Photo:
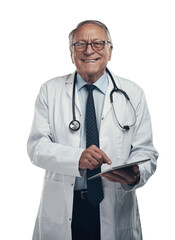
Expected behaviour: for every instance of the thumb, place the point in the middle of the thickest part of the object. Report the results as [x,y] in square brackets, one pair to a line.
[135,169]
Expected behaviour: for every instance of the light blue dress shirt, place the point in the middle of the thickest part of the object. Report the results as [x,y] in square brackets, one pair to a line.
[99,97]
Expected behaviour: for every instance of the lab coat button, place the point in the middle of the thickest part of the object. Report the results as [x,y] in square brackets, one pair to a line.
[70,219]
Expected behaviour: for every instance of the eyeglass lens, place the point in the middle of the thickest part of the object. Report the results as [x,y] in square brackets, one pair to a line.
[95,46]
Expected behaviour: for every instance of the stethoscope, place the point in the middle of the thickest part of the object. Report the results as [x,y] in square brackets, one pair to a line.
[74,125]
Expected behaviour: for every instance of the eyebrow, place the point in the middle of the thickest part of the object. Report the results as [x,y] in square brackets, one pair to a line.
[83,40]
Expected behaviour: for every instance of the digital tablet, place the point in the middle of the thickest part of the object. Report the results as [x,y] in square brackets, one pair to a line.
[119,167]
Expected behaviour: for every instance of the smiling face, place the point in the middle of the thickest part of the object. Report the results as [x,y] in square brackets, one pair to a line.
[91,64]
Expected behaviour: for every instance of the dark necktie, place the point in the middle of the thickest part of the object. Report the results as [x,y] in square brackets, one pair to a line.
[95,191]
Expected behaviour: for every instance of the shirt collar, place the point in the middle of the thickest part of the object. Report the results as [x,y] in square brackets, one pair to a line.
[101,83]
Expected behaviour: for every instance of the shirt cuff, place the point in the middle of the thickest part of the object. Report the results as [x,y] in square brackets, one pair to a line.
[128,187]
[82,172]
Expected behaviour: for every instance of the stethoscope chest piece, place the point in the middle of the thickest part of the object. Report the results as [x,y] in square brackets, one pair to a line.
[74,125]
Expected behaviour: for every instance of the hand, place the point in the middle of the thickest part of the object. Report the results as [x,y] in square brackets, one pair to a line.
[92,158]
[128,175]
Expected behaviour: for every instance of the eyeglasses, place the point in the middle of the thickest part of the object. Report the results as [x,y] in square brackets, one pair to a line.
[96,45]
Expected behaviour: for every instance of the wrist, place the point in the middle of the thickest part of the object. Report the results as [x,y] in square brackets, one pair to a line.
[137,180]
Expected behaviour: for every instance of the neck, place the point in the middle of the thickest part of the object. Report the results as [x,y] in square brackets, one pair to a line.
[91,78]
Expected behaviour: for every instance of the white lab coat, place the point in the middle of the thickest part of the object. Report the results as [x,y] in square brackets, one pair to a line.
[52,146]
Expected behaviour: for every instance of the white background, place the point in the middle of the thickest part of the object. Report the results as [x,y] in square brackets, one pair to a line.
[34,48]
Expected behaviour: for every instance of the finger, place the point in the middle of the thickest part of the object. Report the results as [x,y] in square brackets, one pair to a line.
[128,172]
[122,173]
[87,165]
[96,156]
[90,154]
[102,154]
[91,166]
[87,161]
[114,177]
[92,162]
[109,178]
[127,175]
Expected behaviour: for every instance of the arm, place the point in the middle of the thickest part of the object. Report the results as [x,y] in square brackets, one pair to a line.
[42,150]
[142,149]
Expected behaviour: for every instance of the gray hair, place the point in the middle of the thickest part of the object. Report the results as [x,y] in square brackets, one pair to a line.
[98,23]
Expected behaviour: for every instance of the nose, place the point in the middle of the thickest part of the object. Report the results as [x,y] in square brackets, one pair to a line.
[89,49]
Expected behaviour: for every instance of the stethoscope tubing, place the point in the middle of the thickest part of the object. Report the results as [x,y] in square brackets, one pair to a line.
[73,97]
[119,90]
[75,124]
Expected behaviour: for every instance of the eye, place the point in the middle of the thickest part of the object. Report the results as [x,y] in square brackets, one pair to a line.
[80,44]
[98,44]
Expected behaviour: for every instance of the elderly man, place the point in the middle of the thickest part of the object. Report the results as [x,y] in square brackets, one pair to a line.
[79,130]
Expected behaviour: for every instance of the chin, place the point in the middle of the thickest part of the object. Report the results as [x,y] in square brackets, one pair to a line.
[92,70]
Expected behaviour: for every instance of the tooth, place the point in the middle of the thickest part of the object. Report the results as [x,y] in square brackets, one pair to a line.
[88,61]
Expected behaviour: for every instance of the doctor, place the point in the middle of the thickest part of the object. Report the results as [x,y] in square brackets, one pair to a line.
[71,206]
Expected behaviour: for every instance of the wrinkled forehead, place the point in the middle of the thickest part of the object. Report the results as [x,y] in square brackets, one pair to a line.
[89,32]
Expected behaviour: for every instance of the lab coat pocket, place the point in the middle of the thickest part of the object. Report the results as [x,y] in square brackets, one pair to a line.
[52,206]
[127,142]
[127,209]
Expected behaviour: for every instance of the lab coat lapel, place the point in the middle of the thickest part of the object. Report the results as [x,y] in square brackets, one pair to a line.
[69,90]
[107,103]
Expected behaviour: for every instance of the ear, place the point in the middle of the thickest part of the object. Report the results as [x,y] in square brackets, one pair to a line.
[72,55]
[110,52]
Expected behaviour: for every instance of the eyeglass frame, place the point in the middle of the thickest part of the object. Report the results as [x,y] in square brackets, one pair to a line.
[91,44]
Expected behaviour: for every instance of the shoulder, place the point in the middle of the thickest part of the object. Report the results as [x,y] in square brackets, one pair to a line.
[55,86]
[57,81]
[134,91]
[128,84]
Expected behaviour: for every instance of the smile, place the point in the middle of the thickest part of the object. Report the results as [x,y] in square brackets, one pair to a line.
[90,60]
